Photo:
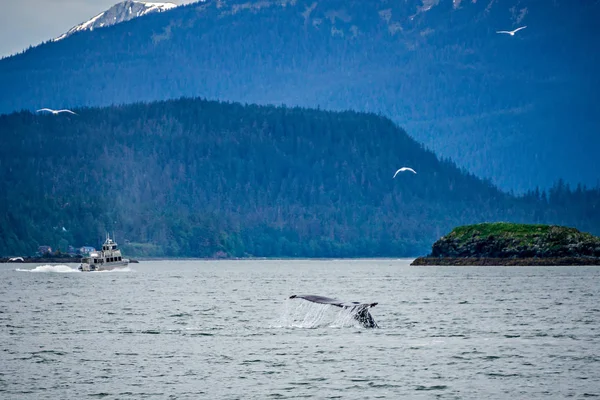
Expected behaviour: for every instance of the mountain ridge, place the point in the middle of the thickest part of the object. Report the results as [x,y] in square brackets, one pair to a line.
[193,177]
[120,12]
[199,178]
[497,105]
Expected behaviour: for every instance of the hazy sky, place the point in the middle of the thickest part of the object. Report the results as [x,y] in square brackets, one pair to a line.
[30,22]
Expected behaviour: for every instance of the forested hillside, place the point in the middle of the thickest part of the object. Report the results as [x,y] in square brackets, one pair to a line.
[507,108]
[200,178]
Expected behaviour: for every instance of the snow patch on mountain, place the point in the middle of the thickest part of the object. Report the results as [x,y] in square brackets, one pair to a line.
[120,12]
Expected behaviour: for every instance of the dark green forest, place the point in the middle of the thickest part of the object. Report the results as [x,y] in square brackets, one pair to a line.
[505,108]
[197,178]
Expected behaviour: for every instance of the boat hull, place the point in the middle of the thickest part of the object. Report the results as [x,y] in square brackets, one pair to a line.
[84,267]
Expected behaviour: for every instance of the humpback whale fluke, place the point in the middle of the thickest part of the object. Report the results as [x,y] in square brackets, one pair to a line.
[360,311]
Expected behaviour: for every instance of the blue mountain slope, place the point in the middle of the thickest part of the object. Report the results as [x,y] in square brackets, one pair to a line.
[520,110]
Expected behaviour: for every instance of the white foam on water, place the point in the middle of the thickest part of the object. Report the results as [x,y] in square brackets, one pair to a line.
[63,269]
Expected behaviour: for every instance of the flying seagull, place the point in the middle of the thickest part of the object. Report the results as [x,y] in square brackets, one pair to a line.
[56,112]
[512,33]
[405,169]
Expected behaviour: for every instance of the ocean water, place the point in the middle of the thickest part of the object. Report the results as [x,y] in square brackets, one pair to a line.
[227,330]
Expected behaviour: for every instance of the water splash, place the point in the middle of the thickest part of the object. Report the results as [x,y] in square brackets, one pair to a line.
[344,318]
[303,314]
[63,269]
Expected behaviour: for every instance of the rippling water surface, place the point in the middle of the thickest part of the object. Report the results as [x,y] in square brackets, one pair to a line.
[226,330]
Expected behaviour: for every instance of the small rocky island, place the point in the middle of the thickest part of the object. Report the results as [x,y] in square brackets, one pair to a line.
[514,244]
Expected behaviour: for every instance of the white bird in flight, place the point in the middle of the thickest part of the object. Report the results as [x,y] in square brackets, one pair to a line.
[512,33]
[405,169]
[56,112]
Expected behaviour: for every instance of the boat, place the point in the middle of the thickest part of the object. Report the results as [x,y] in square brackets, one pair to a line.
[106,259]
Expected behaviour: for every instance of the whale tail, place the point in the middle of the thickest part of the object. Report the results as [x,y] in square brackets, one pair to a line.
[364,317]
[360,311]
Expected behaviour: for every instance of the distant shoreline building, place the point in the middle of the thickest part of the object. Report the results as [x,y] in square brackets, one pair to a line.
[44,250]
[86,249]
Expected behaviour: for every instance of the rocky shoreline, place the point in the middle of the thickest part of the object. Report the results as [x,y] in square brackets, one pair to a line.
[495,261]
[503,243]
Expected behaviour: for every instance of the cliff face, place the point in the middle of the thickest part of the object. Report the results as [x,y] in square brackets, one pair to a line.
[505,240]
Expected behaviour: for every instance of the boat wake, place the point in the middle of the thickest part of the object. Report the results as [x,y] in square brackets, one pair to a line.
[65,269]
